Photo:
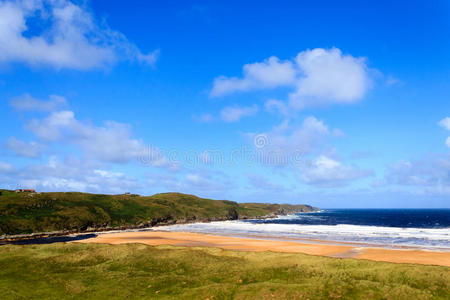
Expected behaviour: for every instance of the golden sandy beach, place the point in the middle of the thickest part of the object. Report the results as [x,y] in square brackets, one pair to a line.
[251,244]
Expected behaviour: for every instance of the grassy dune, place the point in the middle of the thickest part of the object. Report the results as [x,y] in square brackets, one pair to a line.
[22,213]
[93,271]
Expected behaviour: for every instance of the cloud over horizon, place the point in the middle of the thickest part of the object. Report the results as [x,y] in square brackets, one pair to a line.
[429,175]
[70,154]
[329,172]
[70,174]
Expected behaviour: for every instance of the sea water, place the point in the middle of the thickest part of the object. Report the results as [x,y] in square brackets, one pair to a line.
[396,228]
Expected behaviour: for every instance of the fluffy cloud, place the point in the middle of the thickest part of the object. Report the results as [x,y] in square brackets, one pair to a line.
[73,39]
[430,175]
[270,73]
[328,172]
[111,142]
[318,77]
[445,123]
[235,113]
[92,153]
[21,148]
[307,151]
[286,144]
[274,106]
[28,103]
[430,172]
[329,76]
[68,175]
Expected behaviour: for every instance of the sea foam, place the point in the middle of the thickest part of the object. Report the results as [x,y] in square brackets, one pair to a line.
[432,238]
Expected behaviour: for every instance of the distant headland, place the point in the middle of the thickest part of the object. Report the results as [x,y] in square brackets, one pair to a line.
[26,213]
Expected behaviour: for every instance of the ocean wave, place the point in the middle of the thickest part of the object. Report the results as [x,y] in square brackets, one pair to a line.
[386,236]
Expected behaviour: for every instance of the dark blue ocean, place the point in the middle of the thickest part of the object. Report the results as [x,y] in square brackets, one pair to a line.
[396,228]
[402,218]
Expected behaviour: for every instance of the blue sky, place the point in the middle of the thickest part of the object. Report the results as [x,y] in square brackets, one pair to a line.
[336,104]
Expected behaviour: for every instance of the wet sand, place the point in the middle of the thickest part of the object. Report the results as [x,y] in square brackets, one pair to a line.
[250,244]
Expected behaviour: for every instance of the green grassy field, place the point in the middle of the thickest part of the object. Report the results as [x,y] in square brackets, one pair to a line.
[22,213]
[93,271]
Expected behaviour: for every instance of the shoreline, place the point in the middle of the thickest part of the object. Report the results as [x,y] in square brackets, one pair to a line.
[322,248]
[8,238]
[356,244]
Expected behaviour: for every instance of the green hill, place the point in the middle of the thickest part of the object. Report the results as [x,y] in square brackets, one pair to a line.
[24,213]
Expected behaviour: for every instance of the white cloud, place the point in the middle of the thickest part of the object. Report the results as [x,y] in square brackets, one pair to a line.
[425,172]
[68,175]
[303,147]
[328,172]
[277,106]
[270,73]
[317,77]
[235,113]
[28,103]
[328,76]
[429,175]
[445,123]
[52,128]
[287,144]
[111,142]
[21,148]
[73,39]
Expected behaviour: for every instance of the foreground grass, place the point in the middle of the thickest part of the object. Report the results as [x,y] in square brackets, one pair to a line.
[93,271]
